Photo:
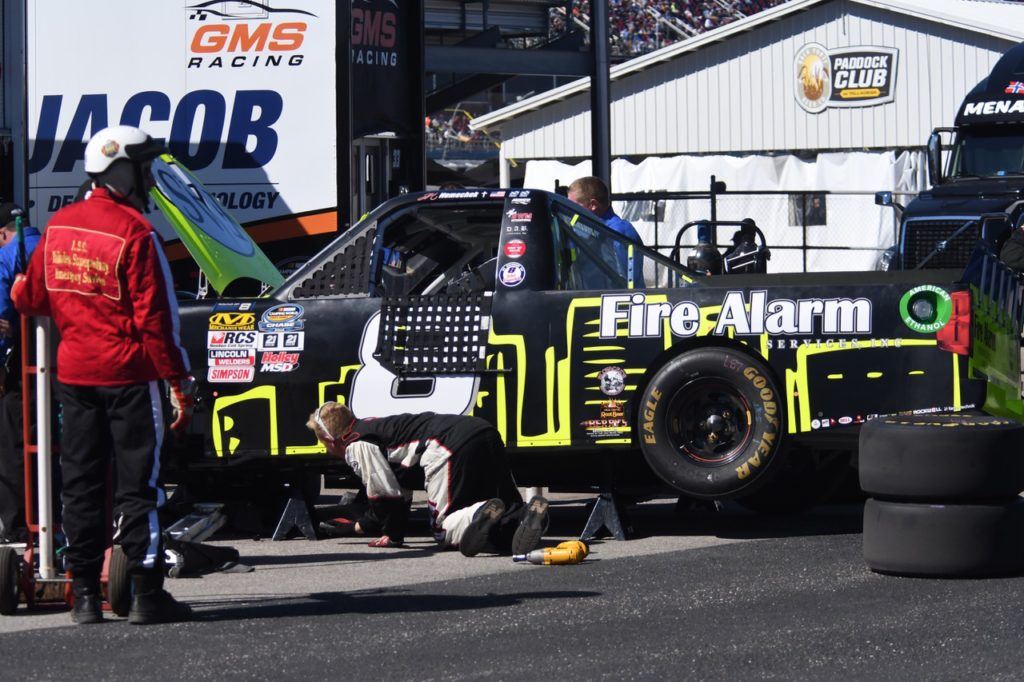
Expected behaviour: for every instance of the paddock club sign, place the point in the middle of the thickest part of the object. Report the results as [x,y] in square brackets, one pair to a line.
[843,77]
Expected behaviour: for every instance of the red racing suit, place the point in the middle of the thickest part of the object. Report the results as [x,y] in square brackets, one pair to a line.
[100,271]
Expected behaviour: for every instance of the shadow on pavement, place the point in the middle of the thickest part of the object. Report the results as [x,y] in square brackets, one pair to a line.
[665,518]
[340,557]
[378,602]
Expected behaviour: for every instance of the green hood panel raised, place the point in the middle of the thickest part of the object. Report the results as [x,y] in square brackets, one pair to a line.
[223,250]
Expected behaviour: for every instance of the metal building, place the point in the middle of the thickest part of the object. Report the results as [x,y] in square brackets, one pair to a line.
[812,95]
[734,89]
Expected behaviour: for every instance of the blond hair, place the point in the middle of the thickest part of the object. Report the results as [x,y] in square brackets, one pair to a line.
[330,421]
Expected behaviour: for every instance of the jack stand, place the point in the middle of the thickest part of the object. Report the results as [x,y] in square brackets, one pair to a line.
[608,512]
[295,515]
[606,515]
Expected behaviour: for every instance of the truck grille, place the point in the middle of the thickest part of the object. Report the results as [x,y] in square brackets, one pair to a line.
[922,236]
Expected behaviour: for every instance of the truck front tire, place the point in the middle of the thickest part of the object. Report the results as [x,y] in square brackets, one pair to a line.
[710,423]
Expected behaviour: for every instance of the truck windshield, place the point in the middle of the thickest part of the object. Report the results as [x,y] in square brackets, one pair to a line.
[991,152]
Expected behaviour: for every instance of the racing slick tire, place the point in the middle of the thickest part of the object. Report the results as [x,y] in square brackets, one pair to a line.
[119,588]
[954,457]
[710,423]
[10,580]
[937,540]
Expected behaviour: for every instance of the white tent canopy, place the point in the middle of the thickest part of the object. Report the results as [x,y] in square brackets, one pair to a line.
[854,221]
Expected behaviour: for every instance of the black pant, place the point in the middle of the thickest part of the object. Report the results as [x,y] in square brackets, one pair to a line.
[12,468]
[480,471]
[125,422]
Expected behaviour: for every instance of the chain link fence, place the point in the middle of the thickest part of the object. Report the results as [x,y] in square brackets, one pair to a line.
[805,231]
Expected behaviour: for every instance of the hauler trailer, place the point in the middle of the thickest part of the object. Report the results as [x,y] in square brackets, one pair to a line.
[589,353]
[984,175]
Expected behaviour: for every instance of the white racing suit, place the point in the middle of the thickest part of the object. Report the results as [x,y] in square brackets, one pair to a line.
[463,462]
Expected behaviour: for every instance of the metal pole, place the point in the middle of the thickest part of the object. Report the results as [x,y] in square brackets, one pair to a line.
[44,480]
[600,105]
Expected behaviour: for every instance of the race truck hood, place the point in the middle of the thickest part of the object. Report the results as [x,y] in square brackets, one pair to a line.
[223,250]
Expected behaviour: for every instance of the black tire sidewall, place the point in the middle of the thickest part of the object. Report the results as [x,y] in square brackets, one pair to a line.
[119,594]
[9,580]
[754,464]
[936,540]
[961,457]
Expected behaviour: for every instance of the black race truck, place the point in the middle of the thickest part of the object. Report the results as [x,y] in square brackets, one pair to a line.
[598,360]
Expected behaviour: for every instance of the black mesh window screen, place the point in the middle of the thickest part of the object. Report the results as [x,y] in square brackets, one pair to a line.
[434,334]
[347,272]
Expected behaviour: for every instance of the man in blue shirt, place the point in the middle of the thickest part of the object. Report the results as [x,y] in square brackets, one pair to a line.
[12,495]
[592,193]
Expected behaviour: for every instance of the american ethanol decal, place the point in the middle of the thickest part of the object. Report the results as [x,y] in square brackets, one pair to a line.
[739,315]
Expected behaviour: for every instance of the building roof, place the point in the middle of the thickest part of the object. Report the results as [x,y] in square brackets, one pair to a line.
[994,18]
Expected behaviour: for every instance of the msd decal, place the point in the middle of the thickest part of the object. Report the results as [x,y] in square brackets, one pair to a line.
[739,315]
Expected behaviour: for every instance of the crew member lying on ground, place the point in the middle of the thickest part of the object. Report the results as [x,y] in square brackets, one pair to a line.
[473,500]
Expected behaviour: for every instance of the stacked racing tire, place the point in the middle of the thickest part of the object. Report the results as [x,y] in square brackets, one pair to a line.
[944,495]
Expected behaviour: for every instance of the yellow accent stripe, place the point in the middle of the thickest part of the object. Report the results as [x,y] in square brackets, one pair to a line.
[797,383]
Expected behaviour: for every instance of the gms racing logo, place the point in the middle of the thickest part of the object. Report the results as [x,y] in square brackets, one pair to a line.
[246,33]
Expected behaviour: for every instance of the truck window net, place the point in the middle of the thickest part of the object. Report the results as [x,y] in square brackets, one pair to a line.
[434,334]
[347,272]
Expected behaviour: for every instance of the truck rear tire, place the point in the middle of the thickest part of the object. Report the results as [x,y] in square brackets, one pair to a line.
[954,457]
[936,540]
[710,423]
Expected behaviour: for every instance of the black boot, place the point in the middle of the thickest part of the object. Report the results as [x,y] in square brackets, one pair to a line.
[88,599]
[476,537]
[152,604]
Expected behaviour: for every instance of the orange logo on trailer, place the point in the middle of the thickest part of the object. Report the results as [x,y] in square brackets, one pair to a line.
[243,37]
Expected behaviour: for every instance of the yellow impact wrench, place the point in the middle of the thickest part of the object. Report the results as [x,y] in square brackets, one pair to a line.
[571,552]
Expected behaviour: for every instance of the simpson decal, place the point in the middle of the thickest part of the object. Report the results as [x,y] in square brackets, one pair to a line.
[739,315]
[231,375]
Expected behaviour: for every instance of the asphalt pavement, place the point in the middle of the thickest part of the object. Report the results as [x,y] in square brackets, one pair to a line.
[703,595]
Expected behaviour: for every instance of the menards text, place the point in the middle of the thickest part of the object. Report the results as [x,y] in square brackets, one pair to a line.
[739,315]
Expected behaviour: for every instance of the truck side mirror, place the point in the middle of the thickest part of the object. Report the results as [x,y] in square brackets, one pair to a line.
[935,158]
[883,198]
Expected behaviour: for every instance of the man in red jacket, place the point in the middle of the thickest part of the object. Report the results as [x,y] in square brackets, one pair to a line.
[101,273]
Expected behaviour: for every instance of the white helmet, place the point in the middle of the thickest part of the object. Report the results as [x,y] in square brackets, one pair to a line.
[119,142]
